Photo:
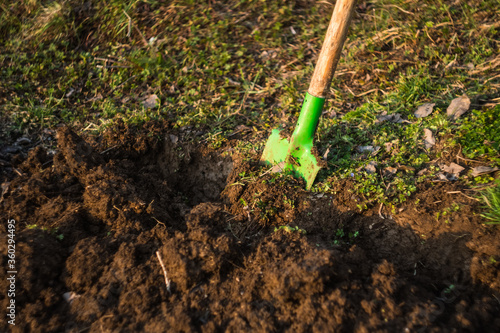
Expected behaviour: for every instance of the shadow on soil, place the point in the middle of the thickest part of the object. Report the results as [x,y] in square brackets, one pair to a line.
[93,225]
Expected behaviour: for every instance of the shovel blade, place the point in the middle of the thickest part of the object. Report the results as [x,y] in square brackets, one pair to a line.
[291,157]
[276,149]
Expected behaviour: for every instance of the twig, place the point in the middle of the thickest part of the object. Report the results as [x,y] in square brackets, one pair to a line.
[401,9]
[167,280]
[121,84]
[427,32]
[466,159]
[366,92]
[129,24]
[107,150]
[265,173]
[380,211]
[158,221]
[110,66]
[105,59]
[136,29]
[455,192]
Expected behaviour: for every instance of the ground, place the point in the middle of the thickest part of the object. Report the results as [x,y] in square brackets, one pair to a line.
[130,142]
[101,219]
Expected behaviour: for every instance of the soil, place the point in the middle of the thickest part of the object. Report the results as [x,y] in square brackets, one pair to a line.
[94,221]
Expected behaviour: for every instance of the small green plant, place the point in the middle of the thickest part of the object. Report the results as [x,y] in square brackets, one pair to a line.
[446,213]
[290,229]
[243,202]
[491,200]
[289,202]
[51,231]
[342,238]
[449,289]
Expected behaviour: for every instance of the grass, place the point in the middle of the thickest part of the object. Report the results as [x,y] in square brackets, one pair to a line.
[217,65]
[491,198]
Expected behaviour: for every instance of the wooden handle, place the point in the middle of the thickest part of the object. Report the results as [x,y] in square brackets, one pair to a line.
[332,48]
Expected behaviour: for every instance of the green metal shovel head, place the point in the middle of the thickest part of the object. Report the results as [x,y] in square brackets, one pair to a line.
[295,155]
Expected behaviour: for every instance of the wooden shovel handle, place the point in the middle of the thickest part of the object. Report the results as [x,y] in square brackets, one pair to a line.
[332,48]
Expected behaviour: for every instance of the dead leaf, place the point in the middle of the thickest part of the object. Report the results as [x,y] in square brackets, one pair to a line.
[375,152]
[452,171]
[243,128]
[406,168]
[442,177]
[371,167]
[390,171]
[481,170]
[429,139]
[424,110]
[396,118]
[453,168]
[383,117]
[421,172]
[393,118]
[151,101]
[458,107]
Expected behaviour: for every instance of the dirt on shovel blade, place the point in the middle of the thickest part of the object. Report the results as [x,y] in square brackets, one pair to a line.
[238,256]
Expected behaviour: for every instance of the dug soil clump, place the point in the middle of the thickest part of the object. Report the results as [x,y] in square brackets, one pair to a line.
[239,253]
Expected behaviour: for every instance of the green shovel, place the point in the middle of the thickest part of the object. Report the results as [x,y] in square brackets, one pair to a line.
[295,155]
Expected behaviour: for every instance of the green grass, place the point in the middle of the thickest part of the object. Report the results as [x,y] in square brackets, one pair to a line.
[218,64]
[491,199]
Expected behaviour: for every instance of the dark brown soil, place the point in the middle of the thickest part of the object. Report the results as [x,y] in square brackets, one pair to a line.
[90,223]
